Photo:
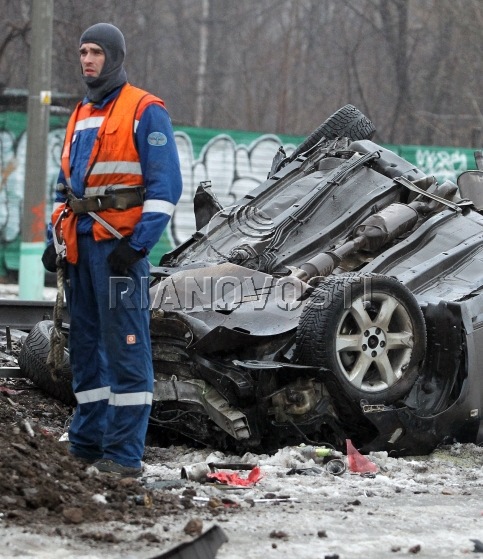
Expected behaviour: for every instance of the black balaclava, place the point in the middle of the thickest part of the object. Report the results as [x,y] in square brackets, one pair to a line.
[113,75]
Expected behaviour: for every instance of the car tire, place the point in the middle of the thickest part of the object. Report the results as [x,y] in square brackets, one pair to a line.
[348,122]
[369,331]
[32,361]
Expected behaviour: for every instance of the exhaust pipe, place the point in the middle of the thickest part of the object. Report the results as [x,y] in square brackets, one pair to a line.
[373,233]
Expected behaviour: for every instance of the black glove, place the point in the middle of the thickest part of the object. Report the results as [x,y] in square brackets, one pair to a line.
[49,258]
[123,257]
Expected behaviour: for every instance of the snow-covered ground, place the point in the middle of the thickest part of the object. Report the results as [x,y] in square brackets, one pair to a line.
[430,506]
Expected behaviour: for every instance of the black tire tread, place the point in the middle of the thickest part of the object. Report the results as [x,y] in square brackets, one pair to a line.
[32,361]
[347,121]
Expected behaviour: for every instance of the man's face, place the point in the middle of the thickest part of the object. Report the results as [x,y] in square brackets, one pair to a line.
[92,59]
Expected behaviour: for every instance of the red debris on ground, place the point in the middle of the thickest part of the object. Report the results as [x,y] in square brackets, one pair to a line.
[357,462]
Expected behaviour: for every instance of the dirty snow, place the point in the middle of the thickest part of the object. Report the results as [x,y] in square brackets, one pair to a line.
[425,506]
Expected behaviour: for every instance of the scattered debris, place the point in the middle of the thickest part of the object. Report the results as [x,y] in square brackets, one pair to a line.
[194,527]
[336,467]
[28,428]
[478,546]
[201,471]
[204,547]
[314,471]
[231,466]
[196,472]
[279,534]
[73,515]
[9,391]
[234,479]
[316,452]
[359,463]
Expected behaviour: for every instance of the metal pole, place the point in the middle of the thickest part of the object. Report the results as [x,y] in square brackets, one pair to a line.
[31,271]
[200,83]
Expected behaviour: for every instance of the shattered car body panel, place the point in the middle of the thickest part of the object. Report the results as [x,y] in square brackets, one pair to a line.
[230,304]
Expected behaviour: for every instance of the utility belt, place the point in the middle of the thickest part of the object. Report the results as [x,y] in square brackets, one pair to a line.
[120,199]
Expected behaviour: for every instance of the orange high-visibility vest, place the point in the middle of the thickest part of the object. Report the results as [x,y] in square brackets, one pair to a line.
[113,163]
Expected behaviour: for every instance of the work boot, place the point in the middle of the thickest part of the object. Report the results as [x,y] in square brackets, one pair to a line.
[82,458]
[114,469]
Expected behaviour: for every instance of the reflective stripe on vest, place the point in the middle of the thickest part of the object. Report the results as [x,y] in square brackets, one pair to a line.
[127,167]
[92,122]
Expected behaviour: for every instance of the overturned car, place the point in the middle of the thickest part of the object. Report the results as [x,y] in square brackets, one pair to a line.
[341,298]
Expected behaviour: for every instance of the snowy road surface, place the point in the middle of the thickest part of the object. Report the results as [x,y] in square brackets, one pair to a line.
[428,507]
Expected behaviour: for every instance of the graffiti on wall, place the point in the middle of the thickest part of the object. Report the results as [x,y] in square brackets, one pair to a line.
[13,152]
[234,166]
[444,164]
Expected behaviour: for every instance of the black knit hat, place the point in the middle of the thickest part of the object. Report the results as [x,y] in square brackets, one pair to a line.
[113,75]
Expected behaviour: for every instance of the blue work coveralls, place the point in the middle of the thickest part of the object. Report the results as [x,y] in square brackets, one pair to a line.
[109,342]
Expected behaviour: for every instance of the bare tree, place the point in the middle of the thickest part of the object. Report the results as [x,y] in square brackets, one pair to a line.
[14,42]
